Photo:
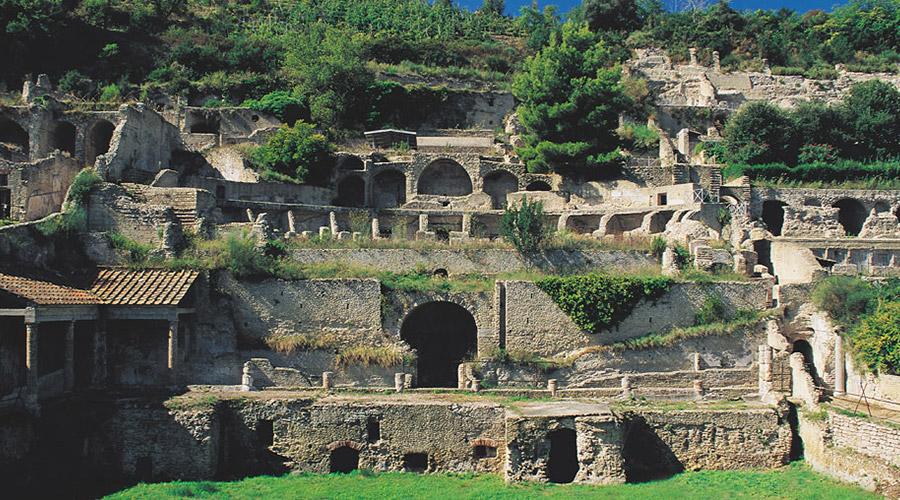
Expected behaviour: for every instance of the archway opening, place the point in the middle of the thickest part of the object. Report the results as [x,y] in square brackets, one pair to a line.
[344,460]
[13,137]
[389,190]
[350,162]
[852,215]
[538,186]
[99,139]
[443,335]
[63,137]
[498,184]
[351,192]
[562,466]
[204,125]
[773,216]
[445,178]
[806,350]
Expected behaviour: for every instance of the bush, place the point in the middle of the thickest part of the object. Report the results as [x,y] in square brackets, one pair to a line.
[111,93]
[596,302]
[682,256]
[876,340]
[281,104]
[843,297]
[76,83]
[712,311]
[658,246]
[297,152]
[758,133]
[522,226]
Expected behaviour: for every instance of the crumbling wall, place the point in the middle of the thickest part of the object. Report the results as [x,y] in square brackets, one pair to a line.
[37,189]
[113,208]
[141,146]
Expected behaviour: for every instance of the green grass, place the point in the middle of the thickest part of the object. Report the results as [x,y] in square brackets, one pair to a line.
[794,481]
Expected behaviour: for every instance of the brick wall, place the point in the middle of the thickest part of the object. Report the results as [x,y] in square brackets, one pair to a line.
[863,436]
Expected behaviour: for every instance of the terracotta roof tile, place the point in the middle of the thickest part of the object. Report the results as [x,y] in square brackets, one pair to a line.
[44,292]
[116,286]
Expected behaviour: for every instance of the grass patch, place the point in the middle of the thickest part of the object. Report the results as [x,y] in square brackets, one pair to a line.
[384,357]
[794,481]
[287,344]
[189,402]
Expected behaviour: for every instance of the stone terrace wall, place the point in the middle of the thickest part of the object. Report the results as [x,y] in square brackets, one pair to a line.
[863,436]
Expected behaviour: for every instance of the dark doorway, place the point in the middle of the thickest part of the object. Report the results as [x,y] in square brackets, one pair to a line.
[344,460]
[806,350]
[498,184]
[63,137]
[373,430]
[415,462]
[389,189]
[445,178]
[538,186]
[443,335]
[563,463]
[265,432]
[99,138]
[352,192]
[763,249]
[15,138]
[852,215]
[773,216]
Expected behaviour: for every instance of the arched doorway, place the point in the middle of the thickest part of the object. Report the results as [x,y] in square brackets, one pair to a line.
[445,178]
[62,137]
[498,184]
[538,186]
[351,192]
[343,460]
[443,335]
[562,466]
[773,216]
[389,189]
[806,350]
[99,137]
[350,162]
[14,138]
[852,215]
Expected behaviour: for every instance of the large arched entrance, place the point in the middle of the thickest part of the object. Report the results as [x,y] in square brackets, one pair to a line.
[14,138]
[63,137]
[773,216]
[343,459]
[389,189]
[498,184]
[351,192]
[852,215]
[443,335]
[445,178]
[99,137]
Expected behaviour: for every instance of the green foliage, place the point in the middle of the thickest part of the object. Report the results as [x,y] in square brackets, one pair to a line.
[596,302]
[757,133]
[522,226]
[742,320]
[639,137]
[843,297]
[298,152]
[538,25]
[570,98]
[76,83]
[658,246]
[283,105]
[871,114]
[713,310]
[134,253]
[682,256]
[839,171]
[876,339]
[385,357]
[111,93]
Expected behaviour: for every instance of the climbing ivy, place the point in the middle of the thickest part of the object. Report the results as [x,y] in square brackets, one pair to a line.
[596,302]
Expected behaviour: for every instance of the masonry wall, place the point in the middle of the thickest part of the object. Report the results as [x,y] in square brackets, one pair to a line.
[112,208]
[141,146]
[38,189]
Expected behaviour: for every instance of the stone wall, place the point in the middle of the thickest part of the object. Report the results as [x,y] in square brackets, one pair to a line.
[112,208]
[866,437]
[141,146]
[39,188]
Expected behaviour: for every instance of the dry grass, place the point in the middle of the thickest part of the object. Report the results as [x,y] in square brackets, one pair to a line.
[366,356]
[288,343]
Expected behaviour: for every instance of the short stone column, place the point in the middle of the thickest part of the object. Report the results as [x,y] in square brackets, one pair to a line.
[461,376]
[332,223]
[696,362]
[693,53]
[292,222]
[407,380]
[246,378]
[476,385]
[765,370]
[699,391]
[32,379]
[327,380]
[69,366]
[840,374]
[399,379]
[173,351]
[250,216]
[423,223]
[376,229]
[717,62]
[552,386]
[627,392]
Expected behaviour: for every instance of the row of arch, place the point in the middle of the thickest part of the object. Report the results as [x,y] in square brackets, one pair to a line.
[852,214]
[440,178]
[62,135]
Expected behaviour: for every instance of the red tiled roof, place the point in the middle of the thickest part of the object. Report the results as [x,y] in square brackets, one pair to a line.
[45,293]
[148,287]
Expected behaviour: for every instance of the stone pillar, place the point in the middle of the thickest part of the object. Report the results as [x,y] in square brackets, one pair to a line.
[98,377]
[626,387]
[250,216]
[840,375]
[407,380]
[31,363]
[717,63]
[423,223]
[327,382]
[461,376]
[476,385]
[467,224]
[173,351]
[698,389]
[695,361]
[376,229]
[292,222]
[246,378]
[693,52]
[399,381]
[332,223]
[69,367]
[765,370]
[552,386]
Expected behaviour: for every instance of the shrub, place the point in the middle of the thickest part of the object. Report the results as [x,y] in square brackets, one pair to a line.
[298,152]
[640,137]
[282,104]
[596,302]
[876,340]
[682,256]
[522,226]
[76,83]
[134,253]
[712,311]
[843,297]
[817,153]
[658,246]
[111,93]
[385,357]
[242,257]
[758,133]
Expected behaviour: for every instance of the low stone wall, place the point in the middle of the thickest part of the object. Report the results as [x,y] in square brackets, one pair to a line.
[866,437]
[489,261]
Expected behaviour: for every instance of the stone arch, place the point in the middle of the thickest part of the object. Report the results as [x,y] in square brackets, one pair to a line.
[498,184]
[882,207]
[389,189]
[350,162]
[351,192]
[444,177]
[773,216]
[13,135]
[804,348]
[562,465]
[851,214]
[99,137]
[62,137]
[443,334]
[343,460]
[538,186]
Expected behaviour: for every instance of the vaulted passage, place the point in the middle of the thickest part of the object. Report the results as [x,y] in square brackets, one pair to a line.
[351,192]
[773,216]
[852,215]
[99,137]
[63,137]
[389,189]
[443,335]
[498,184]
[563,463]
[13,137]
[538,186]
[445,178]
[344,460]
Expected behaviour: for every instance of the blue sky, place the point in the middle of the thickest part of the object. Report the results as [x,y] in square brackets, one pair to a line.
[513,6]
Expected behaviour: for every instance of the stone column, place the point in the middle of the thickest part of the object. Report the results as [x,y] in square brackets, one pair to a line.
[765,370]
[399,381]
[292,222]
[717,63]
[423,223]
[173,351]
[693,52]
[467,224]
[69,370]
[840,375]
[376,229]
[31,362]
[327,382]
[332,223]
[99,375]
[461,376]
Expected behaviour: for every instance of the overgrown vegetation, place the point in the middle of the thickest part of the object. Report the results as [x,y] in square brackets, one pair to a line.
[596,302]
[870,314]
[386,356]
[73,217]
[295,154]
[522,226]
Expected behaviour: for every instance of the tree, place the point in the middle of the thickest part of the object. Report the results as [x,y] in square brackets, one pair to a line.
[759,133]
[523,226]
[298,154]
[876,340]
[611,15]
[539,25]
[872,115]
[570,98]
[493,7]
